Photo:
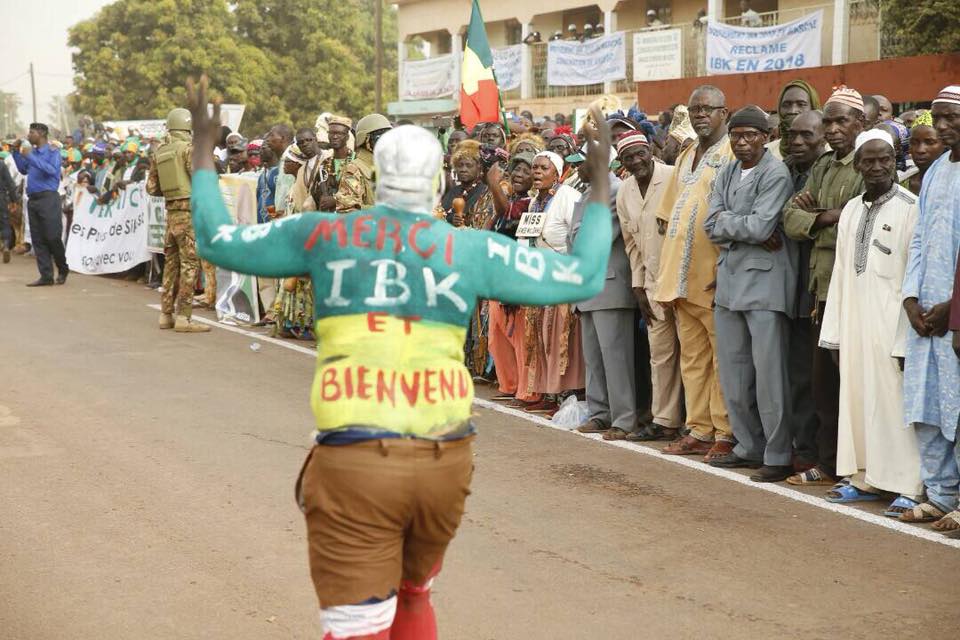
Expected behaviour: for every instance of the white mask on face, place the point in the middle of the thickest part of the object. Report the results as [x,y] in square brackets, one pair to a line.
[409,163]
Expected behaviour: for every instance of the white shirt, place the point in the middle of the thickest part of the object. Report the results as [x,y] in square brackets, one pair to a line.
[559,217]
[750,18]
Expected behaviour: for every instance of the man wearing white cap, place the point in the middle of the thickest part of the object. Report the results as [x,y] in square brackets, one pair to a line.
[932,373]
[653,21]
[864,323]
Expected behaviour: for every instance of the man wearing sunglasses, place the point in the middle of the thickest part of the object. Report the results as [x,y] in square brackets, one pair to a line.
[688,270]
[755,298]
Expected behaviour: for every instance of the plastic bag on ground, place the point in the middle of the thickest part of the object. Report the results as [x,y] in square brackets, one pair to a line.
[571,414]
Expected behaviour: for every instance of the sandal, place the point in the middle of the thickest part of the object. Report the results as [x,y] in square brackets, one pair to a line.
[811,477]
[615,433]
[923,512]
[653,431]
[949,525]
[688,446]
[720,449]
[844,492]
[900,505]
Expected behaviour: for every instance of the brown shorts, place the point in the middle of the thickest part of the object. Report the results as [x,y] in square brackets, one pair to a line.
[379,512]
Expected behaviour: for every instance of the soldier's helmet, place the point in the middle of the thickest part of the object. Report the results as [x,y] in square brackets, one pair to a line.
[179,120]
[371,124]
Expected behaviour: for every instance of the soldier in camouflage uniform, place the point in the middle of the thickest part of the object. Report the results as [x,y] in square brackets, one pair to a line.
[170,174]
[356,184]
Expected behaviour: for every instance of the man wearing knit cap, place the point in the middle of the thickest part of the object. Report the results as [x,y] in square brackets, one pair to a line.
[813,214]
[755,298]
[688,271]
[608,324]
[932,371]
[865,324]
[638,201]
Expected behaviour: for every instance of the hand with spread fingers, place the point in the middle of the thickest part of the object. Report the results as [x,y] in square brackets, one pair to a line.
[598,158]
[206,126]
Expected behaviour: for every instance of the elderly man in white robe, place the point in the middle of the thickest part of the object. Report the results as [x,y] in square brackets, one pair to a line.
[865,324]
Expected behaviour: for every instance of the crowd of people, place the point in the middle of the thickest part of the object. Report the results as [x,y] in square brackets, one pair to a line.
[778,295]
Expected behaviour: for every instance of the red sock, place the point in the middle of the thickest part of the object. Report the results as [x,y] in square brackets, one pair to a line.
[415,619]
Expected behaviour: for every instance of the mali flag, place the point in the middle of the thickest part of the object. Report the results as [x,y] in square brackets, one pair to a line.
[479,94]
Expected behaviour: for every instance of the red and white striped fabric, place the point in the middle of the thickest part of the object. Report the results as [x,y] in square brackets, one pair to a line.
[359,620]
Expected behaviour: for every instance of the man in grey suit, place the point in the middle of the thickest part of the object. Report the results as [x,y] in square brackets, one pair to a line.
[607,326]
[755,299]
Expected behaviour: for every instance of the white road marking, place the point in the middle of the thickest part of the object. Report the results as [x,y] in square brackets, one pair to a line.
[777,489]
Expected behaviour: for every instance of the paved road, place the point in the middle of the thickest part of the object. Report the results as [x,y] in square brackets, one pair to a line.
[146,491]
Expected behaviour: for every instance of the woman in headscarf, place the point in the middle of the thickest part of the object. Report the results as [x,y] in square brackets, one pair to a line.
[507,322]
[292,309]
[527,143]
[795,98]
[925,147]
[290,164]
[552,347]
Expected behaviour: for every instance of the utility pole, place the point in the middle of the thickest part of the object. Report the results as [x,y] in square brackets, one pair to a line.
[33,91]
[378,57]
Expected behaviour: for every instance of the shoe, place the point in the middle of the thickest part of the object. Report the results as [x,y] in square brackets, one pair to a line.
[773,473]
[166,321]
[6,256]
[61,277]
[592,426]
[21,249]
[733,461]
[40,283]
[186,325]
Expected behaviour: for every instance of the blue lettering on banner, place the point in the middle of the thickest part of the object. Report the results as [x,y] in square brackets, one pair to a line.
[794,45]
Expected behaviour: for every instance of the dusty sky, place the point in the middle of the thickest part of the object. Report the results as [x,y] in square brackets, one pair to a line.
[36,31]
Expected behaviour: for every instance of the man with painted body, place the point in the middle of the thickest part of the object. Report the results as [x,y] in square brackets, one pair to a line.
[383,489]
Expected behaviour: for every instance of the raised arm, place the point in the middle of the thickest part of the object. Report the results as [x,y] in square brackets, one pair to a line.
[517,274]
[277,249]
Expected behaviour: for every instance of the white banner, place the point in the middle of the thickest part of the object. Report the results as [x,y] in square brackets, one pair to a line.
[112,237]
[574,63]
[795,45]
[507,66]
[156,224]
[657,55]
[430,78]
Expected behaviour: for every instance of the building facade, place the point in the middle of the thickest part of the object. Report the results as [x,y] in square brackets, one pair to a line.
[851,50]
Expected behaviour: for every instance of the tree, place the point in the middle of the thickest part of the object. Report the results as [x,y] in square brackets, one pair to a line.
[61,116]
[134,56]
[10,123]
[323,51]
[920,27]
[286,60]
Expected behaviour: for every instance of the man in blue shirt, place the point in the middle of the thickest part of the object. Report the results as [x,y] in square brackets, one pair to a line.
[41,165]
